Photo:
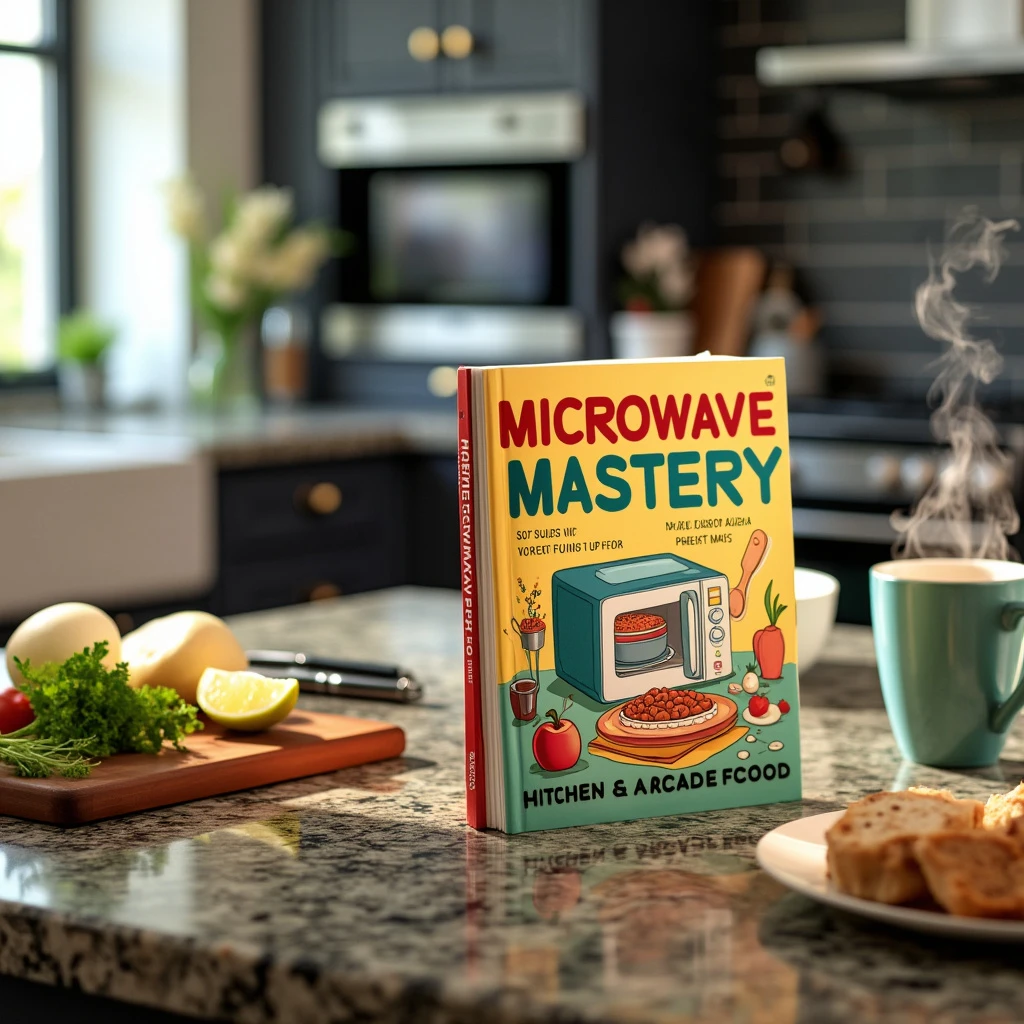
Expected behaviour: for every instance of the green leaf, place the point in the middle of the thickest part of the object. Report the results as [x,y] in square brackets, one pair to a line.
[81,338]
[83,710]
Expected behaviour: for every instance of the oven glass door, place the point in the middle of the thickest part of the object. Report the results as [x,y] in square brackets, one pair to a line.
[451,236]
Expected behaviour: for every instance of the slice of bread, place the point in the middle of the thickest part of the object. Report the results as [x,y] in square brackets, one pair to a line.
[871,847]
[928,791]
[973,874]
[1002,808]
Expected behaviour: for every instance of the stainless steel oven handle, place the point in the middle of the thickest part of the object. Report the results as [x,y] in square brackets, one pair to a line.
[689,621]
[863,527]
[828,524]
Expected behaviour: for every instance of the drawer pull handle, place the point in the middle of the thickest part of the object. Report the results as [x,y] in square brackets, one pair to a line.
[323,591]
[423,44]
[457,42]
[322,499]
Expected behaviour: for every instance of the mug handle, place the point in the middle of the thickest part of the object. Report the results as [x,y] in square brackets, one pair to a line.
[1002,715]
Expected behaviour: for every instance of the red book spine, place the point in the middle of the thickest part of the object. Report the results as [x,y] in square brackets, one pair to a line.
[476,792]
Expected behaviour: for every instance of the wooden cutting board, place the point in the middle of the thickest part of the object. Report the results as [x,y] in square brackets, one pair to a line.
[217,761]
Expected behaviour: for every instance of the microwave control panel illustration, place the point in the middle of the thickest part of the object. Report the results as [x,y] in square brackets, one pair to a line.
[622,627]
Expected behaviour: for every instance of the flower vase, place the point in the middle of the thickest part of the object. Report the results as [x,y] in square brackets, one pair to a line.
[82,386]
[222,374]
[650,335]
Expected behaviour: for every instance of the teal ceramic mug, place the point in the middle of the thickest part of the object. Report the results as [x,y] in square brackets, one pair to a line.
[949,638]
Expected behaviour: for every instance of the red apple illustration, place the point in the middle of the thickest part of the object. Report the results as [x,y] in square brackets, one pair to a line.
[557,744]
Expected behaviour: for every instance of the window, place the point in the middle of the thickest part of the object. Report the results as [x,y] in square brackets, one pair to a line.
[35,250]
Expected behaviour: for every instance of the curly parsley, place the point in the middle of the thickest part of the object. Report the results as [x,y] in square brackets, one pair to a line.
[83,711]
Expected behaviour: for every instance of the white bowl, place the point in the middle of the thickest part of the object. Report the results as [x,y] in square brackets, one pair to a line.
[817,595]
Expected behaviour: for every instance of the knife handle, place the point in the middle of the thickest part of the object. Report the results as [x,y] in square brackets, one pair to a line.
[313,661]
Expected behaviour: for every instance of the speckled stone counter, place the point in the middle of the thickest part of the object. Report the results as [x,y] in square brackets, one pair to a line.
[362,896]
[263,437]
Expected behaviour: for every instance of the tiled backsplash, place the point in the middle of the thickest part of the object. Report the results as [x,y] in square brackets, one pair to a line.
[860,241]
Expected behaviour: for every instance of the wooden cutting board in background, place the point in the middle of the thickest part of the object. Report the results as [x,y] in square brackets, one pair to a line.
[217,761]
[729,282]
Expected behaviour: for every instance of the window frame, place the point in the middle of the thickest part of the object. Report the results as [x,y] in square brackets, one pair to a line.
[55,49]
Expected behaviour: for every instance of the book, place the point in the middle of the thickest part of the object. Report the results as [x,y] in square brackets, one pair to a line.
[629,616]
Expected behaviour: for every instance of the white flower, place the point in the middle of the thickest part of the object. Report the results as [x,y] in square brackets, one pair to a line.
[225,292]
[294,263]
[636,260]
[653,249]
[185,209]
[226,256]
[666,245]
[676,285]
[261,214]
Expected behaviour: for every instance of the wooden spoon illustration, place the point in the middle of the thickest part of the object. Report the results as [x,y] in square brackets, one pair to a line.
[750,563]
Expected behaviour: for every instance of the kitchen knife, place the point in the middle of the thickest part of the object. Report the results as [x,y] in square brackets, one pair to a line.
[338,677]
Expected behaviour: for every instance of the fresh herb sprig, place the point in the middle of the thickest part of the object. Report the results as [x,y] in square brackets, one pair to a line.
[83,711]
[36,758]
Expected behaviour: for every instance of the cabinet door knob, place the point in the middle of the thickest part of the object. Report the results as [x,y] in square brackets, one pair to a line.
[322,499]
[457,42]
[443,381]
[423,44]
[323,591]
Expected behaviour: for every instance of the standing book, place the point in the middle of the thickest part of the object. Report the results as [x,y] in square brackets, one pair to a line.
[628,606]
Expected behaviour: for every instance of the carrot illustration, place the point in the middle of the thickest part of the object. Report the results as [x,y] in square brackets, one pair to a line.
[769,643]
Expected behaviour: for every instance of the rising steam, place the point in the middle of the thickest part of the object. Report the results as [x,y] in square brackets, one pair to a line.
[968,510]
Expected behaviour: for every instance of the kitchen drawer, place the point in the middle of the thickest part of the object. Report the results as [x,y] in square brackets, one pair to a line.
[268,513]
[296,580]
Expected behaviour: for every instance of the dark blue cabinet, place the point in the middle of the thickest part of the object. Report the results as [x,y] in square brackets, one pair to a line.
[363,46]
[517,44]
[298,533]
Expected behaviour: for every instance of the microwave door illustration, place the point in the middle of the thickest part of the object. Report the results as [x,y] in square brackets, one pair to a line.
[622,627]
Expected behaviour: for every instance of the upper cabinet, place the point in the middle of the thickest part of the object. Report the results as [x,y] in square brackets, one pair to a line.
[514,44]
[380,47]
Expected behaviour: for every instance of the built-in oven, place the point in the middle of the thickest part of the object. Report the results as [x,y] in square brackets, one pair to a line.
[459,212]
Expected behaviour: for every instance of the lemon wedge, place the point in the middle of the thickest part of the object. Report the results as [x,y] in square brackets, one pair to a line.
[245,701]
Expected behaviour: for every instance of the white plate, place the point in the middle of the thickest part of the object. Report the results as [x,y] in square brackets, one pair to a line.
[794,855]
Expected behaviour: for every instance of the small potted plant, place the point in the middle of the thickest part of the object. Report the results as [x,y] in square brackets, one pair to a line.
[655,290]
[82,341]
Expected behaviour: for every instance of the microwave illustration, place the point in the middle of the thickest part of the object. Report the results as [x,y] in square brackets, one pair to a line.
[622,627]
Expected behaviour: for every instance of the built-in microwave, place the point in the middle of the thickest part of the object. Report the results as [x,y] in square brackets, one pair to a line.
[459,211]
[622,627]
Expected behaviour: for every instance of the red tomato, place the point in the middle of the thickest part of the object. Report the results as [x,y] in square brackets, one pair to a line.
[15,711]
[758,706]
[784,706]
[557,747]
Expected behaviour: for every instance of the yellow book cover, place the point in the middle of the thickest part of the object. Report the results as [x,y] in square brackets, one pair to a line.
[630,613]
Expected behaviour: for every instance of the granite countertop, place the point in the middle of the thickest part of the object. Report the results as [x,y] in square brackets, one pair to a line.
[362,895]
[266,436]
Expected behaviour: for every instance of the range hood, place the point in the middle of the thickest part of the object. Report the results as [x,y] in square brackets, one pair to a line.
[953,45]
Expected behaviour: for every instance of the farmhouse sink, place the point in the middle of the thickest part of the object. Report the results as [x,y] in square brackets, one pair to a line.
[108,519]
